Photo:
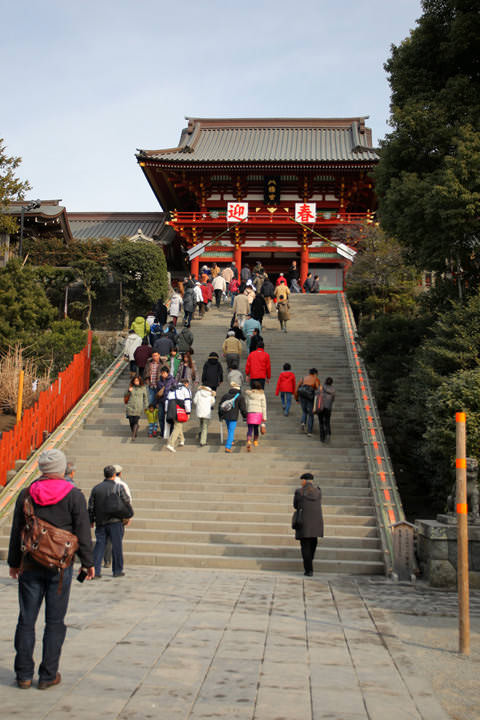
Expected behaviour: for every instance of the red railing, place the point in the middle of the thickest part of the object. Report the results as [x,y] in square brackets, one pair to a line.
[52,406]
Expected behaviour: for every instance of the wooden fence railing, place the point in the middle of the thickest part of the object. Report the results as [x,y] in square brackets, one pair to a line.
[48,412]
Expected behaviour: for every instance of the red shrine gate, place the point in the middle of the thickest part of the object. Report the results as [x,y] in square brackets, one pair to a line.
[273,166]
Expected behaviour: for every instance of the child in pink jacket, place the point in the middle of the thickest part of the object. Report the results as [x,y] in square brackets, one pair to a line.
[286,387]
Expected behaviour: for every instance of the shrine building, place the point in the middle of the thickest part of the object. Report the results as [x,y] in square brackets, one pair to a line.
[268,190]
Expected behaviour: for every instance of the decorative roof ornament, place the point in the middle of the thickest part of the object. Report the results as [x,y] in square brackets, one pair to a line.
[140,237]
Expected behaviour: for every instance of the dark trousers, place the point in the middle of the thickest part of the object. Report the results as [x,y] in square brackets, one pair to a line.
[187,318]
[324,420]
[307,413]
[218,297]
[34,586]
[259,380]
[309,545]
[232,360]
[114,531]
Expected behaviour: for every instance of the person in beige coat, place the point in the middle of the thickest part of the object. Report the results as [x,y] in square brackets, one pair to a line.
[232,349]
[241,308]
[256,404]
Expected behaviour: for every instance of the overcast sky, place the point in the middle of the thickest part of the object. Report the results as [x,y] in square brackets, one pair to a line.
[86,83]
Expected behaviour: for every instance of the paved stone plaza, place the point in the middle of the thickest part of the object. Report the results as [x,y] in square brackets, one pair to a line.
[192,643]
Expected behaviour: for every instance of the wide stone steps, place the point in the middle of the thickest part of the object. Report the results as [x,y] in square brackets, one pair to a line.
[203,508]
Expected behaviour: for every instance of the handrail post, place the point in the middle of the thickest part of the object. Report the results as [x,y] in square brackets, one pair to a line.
[462,535]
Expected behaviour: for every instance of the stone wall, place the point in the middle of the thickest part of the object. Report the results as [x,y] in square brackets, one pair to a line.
[437,552]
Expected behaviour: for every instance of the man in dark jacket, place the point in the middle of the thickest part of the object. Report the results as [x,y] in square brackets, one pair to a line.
[308,500]
[60,503]
[107,526]
[141,355]
[189,303]
[185,340]
[236,400]
[165,383]
[163,345]
[161,312]
[212,374]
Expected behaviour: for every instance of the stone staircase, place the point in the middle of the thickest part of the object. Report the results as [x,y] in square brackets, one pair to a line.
[204,508]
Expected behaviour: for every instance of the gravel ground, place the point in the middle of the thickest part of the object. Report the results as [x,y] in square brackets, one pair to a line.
[426,621]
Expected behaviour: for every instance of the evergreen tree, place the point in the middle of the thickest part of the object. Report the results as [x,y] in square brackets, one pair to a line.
[428,178]
[11,188]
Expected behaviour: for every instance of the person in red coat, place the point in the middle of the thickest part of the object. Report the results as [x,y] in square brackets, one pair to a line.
[258,366]
[281,279]
[286,385]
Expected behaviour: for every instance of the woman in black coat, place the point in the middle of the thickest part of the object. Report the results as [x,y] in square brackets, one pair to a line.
[212,375]
[308,498]
[258,308]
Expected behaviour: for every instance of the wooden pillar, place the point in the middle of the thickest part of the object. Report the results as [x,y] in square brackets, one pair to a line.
[303,263]
[194,266]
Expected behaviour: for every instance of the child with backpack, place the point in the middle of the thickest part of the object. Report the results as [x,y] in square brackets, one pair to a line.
[231,404]
[286,385]
[256,404]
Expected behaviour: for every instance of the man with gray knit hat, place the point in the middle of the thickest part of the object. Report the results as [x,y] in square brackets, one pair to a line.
[58,502]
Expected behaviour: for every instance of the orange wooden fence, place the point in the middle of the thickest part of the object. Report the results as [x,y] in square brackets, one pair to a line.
[52,406]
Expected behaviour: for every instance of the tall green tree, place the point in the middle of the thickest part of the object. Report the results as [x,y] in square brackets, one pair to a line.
[428,177]
[11,188]
[142,269]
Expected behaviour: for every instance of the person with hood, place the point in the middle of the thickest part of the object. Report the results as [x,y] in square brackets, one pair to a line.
[258,367]
[175,307]
[204,401]
[212,374]
[283,307]
[325,403]
[107,526]
[230,405]
[185,340]
[232,349]
[286,386]
[189,303]
[137,402]
[132,342]
[256,412]
[178,407]
[58,502]
[249,292]
[308,500]
[140,327]
[258,308]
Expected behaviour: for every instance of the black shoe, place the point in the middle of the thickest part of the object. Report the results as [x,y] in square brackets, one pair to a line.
[121,574]
[44,684]
[308,574]
[97,577]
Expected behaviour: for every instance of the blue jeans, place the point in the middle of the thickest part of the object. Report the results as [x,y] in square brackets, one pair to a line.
[187,319]
[114,531]
[231,425]
[34,586]
[152,395]
[286,398]
[152,428]
[307,413]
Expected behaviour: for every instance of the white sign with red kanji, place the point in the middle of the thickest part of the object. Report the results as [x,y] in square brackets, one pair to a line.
[237,211]
[306,212]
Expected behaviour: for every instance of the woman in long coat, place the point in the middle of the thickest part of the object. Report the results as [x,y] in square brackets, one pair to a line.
[137,402]
[283,310]
[308,499]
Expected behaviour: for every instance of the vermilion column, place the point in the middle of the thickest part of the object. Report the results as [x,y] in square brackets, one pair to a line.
[237,256]
[194,266]
[303,264]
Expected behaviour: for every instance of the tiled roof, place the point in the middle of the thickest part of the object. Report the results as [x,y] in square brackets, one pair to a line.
[86,225]
[50,213]
[271,140]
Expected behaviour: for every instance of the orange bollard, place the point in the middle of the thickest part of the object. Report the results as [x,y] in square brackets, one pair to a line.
[462,536]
